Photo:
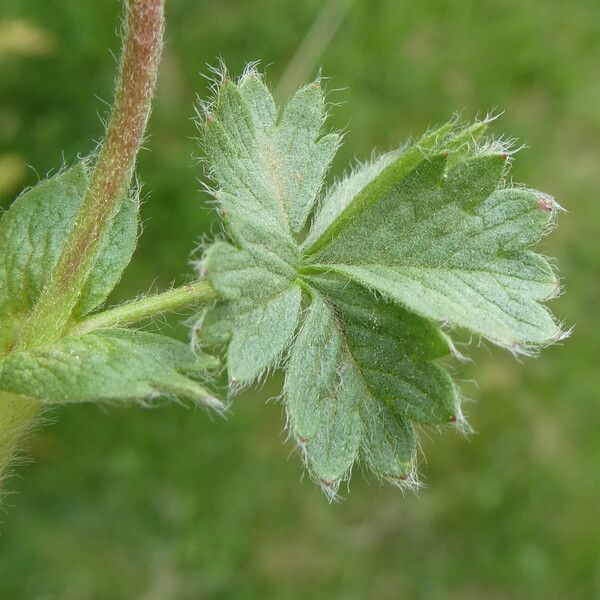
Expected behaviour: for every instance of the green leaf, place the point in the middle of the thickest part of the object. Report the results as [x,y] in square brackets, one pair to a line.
[344,191]
[367,183]
[33,232]
[113,365]
[453,246]
[114,255]
[323,395]
[269,171]
[265,305]
[424,237]
[393,349]
[108,365]
[336,406]
[389,445]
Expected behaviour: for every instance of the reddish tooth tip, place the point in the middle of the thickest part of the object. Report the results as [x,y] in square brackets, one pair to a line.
[404,477]
[545,204]
[453,419]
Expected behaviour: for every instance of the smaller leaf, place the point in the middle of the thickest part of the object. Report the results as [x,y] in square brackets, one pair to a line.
[114,255]
[32,235]
[264,309]
[269,171]
[393,349]
[112,365]
[322,396]
[33,232]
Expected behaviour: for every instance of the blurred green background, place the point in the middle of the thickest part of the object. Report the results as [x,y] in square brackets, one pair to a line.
[170,504]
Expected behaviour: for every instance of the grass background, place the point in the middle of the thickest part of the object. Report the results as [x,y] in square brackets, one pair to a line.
[168,504]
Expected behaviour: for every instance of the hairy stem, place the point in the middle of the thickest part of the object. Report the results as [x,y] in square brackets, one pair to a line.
[111,175]
[109,180]
[145,308]
[17,416]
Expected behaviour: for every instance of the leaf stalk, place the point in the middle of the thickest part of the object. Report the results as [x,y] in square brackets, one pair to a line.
[199,293]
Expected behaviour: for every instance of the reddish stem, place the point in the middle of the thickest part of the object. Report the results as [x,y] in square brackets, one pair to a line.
[116,161]
[111,175]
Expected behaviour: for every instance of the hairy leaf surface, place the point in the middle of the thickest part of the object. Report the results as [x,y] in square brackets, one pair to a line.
[452,246]
[110,365]
[337,408]
[113,365]
[265,303]
[33,232]
[425,236]
[269,167]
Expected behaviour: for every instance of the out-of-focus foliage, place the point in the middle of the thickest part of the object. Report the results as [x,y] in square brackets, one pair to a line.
[168,504]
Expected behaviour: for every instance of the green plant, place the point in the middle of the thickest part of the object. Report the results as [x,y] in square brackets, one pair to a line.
[352,289]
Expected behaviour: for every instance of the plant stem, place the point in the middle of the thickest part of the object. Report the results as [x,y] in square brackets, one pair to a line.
[111,175]
[17,417]
[145,308]
[109,181]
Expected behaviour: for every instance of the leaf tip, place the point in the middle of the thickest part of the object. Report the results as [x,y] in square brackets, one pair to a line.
[407,481]
[330,488]
[547,203]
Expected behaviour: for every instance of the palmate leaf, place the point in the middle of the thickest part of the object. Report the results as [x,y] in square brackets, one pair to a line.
[429,235]
[111,365]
